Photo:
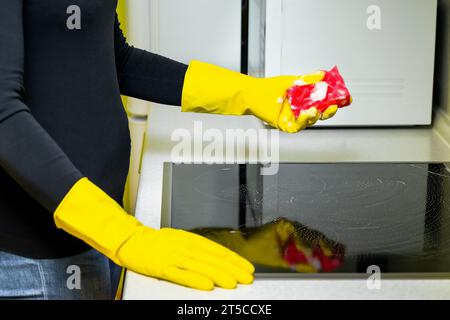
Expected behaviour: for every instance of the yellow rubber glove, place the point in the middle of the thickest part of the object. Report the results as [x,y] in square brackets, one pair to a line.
[174,255]
[212,89]
[266,245]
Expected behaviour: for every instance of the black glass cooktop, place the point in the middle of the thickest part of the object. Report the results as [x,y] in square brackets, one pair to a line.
[318,219]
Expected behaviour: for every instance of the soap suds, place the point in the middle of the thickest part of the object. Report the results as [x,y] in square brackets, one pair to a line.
[320,91]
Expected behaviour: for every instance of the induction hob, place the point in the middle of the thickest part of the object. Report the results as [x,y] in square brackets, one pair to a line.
[338,220]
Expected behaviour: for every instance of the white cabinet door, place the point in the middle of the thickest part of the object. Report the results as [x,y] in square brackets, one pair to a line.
[384,49]
[207,30]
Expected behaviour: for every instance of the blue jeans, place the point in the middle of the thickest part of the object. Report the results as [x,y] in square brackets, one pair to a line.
[87,276]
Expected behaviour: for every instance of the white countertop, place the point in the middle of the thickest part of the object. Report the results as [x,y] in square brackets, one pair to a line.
[312,145]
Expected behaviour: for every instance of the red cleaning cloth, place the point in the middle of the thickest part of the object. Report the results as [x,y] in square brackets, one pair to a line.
[330,91]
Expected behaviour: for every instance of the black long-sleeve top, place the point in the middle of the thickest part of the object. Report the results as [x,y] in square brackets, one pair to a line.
[62,70]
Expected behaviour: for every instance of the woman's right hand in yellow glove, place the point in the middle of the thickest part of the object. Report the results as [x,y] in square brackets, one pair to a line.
[212,89]
[184,258]
[89,214]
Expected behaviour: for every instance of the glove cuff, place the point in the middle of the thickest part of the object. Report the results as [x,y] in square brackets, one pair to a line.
[212,89]
[89,214]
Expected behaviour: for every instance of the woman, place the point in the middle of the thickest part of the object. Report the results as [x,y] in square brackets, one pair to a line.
[64,151]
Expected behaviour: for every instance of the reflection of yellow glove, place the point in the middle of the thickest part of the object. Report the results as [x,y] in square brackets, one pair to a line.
[175,255]
[211,89]
[266,245]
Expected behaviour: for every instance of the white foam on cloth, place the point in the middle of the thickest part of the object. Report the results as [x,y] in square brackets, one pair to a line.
[320,91]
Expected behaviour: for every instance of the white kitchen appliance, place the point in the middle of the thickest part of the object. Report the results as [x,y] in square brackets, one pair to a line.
[384,48]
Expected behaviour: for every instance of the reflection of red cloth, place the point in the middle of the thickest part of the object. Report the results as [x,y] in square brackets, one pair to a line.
[330,91]
[327,264]
[295,257]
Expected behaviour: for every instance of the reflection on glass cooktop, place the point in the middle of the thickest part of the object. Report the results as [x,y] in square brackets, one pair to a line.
[319,218]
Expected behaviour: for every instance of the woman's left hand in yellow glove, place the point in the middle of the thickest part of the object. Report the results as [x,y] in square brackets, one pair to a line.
[89,214]
[211,89]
